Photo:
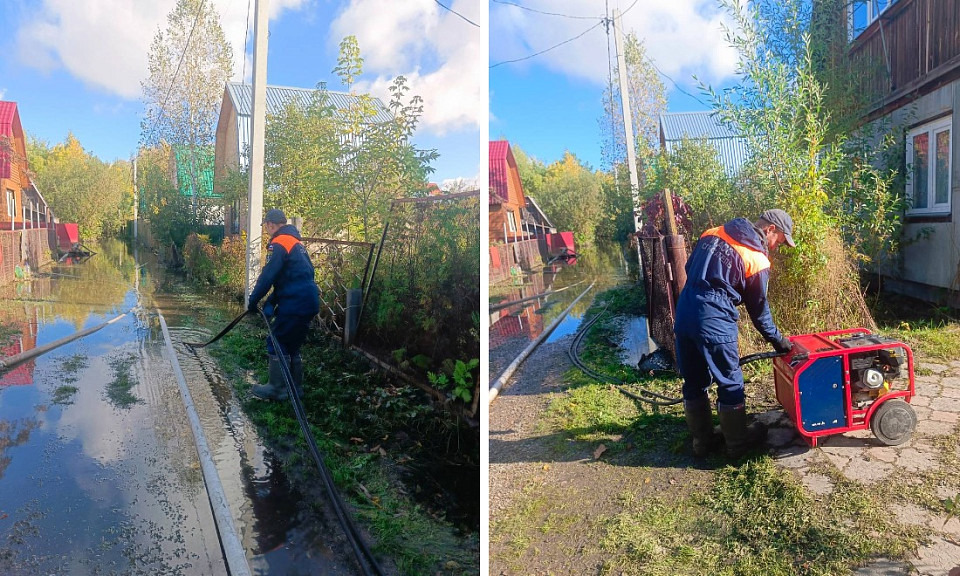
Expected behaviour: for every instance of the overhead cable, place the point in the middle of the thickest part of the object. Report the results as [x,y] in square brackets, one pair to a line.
[457,13]
[600,23]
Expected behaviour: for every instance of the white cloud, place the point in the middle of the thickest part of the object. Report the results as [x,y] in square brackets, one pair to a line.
[682,37]
[437,51]
[105,42]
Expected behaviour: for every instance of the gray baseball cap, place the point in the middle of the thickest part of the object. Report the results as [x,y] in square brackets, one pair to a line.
[275,216]
[782,221]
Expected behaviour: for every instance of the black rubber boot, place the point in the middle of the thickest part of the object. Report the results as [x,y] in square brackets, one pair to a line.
[276,387]
[699,420]
[740,437]
[296,370]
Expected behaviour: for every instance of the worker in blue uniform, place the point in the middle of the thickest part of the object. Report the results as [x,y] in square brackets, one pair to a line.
[729,266]
[291,306]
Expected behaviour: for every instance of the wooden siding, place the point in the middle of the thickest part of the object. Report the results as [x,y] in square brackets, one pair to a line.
[912,48]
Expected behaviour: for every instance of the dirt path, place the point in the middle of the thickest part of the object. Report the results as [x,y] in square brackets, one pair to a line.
[539,477]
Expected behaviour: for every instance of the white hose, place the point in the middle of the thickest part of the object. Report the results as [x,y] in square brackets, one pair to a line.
[233,550]
[495,389]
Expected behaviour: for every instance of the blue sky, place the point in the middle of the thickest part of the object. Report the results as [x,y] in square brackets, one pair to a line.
[76,65]
[552,102]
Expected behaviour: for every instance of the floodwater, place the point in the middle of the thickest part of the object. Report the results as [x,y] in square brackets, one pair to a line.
[515,327]
[99,472]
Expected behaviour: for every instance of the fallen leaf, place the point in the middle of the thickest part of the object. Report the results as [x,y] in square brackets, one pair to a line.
[546,466]
[357,440]
[646,480]
[599,451]
[382,452]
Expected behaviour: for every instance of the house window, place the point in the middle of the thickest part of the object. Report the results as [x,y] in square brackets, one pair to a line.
[512,221]
[928,162]
[863,12]
[11,205]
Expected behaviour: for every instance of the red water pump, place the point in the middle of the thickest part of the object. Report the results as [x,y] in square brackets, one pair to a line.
[846,380]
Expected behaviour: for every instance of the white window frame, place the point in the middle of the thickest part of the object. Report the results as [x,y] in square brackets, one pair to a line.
[874,9]
[11,206]
[932,129]
[512,221]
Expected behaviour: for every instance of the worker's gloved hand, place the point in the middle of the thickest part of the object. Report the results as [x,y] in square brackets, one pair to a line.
[783,346]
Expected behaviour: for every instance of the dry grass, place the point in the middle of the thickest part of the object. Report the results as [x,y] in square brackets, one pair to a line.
[829,298]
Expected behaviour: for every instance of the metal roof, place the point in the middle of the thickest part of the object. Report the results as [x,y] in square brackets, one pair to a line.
[732,149]
[9,128]
[500,155]
[278,97]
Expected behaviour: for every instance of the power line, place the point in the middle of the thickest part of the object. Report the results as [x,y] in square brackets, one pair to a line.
[542,12]
[674,82]
[173,79]
[246,33]
[600,23]
[457,13]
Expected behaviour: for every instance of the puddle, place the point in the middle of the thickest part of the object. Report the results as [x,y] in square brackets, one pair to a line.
[635,341]
[98,466]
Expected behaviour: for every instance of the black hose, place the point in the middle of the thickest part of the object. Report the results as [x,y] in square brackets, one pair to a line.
[222,332]
[360,549]
[644,394]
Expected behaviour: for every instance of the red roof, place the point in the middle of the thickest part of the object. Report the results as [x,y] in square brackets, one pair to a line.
[9,127]
[499,171]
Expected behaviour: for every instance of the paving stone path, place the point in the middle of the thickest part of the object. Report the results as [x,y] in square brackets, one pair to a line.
[859,457]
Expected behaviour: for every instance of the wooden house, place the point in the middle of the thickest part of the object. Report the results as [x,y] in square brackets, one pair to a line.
[507,201]
[23,205]
[909,53]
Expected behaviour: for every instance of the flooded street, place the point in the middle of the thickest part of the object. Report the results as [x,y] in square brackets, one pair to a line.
[514,327]
[99,472]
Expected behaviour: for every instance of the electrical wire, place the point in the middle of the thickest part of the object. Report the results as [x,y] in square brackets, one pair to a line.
[457,13]
[173,79]
[600,23]
[522,7]
[246,35]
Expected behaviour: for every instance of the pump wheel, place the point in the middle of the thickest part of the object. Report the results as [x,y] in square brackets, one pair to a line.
[893,422]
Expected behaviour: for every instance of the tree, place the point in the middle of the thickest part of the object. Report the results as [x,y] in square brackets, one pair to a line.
[189,65]
[798,163]
[572,197]
[340,168]
[648,101]
[81,188]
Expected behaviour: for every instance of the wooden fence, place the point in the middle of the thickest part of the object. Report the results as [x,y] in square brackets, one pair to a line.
[36,245]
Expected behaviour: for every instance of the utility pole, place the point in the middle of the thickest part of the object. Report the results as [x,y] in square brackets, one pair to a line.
[628,128]
[258,118]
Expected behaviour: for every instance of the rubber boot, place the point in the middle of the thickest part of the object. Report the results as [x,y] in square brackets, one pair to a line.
[740,437]
[699,420]
[296,370]
[276,387]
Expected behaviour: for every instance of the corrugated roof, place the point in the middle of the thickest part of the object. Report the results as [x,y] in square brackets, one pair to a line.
[278,97]
[499,170]
[9,120]
[732,149]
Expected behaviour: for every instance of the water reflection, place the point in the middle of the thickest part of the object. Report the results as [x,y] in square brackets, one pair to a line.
[98,466]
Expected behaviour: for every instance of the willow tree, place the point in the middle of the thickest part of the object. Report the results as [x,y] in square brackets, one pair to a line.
[799,162]
[189,63]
